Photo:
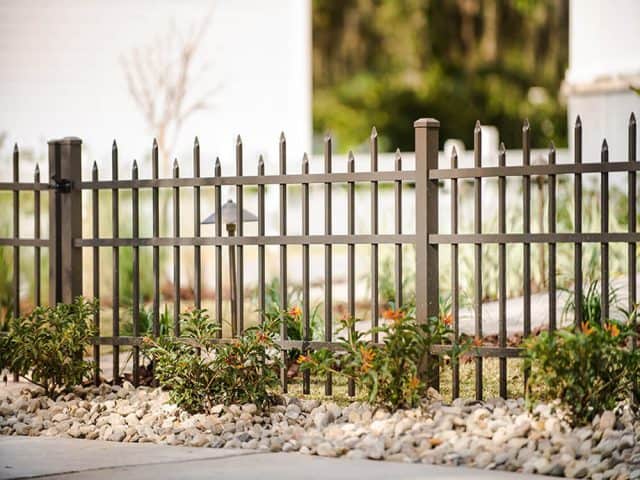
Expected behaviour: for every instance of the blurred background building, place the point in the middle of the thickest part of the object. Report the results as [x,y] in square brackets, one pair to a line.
[604,65]
[156,68]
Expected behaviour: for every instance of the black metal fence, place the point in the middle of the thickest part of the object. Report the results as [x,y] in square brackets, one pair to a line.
[66,242]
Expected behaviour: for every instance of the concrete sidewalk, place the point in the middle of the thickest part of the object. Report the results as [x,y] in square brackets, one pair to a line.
[35,457]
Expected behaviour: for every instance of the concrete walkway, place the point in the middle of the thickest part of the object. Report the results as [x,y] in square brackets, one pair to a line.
[34,457]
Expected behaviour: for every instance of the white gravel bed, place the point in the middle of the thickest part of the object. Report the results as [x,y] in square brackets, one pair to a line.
[495,434]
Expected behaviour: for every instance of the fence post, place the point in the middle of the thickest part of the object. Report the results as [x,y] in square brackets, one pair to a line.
[427,275]
[65,220]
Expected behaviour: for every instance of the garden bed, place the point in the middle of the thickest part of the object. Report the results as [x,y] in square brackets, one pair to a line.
[495,434]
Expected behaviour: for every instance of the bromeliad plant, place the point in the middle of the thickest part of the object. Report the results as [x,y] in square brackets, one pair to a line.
[589,369]
[201,373]
[394,373]
[47,346]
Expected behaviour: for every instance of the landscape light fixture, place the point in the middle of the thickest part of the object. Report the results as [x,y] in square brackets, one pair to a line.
[229,217]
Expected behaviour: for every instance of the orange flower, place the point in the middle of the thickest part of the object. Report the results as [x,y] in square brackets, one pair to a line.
[367,354]
[391,314]
[302,358]
[367,357]
[447,319]
[613,329]
[477,341]
[587,329]
[414,383]
[295,311]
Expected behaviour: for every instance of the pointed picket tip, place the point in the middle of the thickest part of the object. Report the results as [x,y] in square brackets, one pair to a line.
[350,156]
[605,145]
[15,147]
[525,125]
[578,121]
[94,167]
[155,144]
[175,164]
[238,140]
[217,162]
[260,160]
[477,126]
[114,145]
[502,148]
[327,137]
[632,119]
[282,137]
[37,170]
[374,132]
[552,147]
[454,152]
[135,165]
[305,158]
[196,142]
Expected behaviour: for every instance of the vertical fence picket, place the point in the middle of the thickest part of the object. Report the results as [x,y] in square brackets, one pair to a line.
[36,234]
[502,271]
[283,255]
[306,300]
[632,212]
[16,233]
[240,248]
[552,245]
[577,225]
[115,218]
[155,214]
[176,252]
[526,230]
[373,147]
[455,297]
[328,260]
[398,230]
[95,227]
[197,256]
[477,302]
[16,236]
[604,228]
[135,301]
[351,254]
[261,261]
[218,210]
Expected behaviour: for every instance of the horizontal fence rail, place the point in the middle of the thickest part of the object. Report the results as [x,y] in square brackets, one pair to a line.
[426,182]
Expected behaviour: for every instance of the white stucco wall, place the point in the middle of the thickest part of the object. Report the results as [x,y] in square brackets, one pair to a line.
[603,39]
[60,75]
[604,61]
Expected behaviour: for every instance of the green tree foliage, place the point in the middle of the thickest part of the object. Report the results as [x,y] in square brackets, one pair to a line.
[390,62]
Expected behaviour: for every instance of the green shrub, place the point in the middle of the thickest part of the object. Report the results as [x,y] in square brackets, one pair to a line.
[201,374]
[589,369]
[47,346]
[394,373]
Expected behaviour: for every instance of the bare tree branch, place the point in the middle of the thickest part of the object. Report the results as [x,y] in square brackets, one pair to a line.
[162,80]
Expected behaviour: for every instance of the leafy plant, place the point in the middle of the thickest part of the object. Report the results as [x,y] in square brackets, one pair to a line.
[201,373]
[588,369]
[294,322]
[292,315]
[395,373]
[591,308]
[145,322]
[46,347]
